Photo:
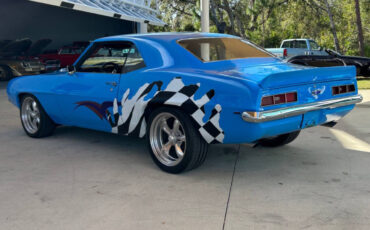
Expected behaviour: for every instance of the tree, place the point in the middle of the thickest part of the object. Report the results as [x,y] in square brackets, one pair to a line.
[324,5]
[332,23]
[359,28]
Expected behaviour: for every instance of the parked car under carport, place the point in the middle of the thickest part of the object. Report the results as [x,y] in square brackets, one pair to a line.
[17,58]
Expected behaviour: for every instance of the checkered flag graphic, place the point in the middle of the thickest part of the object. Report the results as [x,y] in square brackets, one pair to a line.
[180,95]
[131,120]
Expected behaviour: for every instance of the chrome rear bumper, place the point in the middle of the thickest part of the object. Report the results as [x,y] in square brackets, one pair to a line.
[275,114]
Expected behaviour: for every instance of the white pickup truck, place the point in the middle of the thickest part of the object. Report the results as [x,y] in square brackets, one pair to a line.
[293,47]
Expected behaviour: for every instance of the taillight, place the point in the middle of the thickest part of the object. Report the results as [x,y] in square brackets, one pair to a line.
[285,53]
[343,89]
[279,99]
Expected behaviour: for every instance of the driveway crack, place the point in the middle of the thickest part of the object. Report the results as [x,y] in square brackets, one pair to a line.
[231,186]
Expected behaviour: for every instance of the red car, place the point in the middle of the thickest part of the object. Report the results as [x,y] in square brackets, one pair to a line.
[66,55]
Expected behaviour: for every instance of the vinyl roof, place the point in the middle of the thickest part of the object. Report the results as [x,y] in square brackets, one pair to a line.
[131,10]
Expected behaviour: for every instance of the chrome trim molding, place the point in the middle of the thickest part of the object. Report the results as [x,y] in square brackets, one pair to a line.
[275,114]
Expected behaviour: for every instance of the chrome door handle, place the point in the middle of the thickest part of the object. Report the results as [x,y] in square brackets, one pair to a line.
[112,83]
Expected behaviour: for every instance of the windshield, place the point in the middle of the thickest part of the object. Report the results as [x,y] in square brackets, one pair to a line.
[217,49]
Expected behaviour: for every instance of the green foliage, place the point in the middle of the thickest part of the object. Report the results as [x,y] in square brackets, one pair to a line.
[267,22]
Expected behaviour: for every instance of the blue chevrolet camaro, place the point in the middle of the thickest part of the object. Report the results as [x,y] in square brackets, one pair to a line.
[183,91]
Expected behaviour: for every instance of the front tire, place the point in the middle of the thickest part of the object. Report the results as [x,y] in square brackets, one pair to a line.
[279,140]
[36,123]
[174,144]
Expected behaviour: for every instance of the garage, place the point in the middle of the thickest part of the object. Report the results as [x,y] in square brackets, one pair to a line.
[49,25]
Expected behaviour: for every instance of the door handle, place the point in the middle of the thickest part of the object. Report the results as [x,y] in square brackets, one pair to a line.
[112,83]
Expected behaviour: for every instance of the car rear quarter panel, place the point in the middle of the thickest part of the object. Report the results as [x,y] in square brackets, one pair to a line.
[232,94]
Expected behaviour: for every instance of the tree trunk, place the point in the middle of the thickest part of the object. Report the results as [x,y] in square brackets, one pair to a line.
[230,14]
[359,29]
[332,26]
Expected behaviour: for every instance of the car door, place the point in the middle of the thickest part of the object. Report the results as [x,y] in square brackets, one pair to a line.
[87,94]
[136,87]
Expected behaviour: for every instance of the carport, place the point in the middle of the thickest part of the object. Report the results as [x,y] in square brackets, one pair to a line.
[75,20]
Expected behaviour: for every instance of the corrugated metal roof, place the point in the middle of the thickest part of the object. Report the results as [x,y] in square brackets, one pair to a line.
[132,10]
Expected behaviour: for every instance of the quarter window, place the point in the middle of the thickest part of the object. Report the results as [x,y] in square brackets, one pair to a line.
[134,60]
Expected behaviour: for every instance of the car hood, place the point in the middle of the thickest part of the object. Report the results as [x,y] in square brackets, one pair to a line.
[274,73]
[15,48]
[38,46]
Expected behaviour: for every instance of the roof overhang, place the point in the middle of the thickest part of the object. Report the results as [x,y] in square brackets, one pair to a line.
[130,10]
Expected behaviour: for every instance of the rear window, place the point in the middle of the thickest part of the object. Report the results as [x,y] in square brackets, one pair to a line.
[287,44]
[217,49]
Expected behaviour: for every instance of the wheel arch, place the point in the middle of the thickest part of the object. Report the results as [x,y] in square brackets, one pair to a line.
[203,129]
[154,106]
[21,95]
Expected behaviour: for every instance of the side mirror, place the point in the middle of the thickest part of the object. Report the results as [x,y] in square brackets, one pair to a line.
[71,69]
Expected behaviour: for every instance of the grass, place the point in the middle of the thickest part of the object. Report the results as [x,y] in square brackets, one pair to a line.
[363,83]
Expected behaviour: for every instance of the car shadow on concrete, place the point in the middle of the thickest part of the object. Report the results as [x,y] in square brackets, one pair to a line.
[220,158]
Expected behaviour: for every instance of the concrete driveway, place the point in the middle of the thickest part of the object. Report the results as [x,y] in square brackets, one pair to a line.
[81,179]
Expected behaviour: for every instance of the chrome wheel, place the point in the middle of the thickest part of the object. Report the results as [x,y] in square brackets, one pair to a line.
[30,115]
[167,139]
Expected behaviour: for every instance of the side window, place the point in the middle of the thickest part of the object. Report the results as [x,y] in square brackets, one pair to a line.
[105,58]
[314,45]
[134,60]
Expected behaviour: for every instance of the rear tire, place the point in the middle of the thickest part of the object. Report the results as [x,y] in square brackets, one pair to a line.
[279,140]
[5,73]
[174,144]
[36,123]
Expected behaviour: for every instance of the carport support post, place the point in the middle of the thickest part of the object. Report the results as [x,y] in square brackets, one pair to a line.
[204,7]
[143,27]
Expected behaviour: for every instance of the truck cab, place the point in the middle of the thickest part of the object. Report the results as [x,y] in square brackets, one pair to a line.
[293,47]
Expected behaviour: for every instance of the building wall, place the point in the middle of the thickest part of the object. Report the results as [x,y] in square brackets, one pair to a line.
[26,19]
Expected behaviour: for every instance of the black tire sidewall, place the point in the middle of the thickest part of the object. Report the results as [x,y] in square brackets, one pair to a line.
[193,141]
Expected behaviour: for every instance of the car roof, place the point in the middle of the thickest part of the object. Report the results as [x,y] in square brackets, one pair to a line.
[168,37]
[161,49]
[297,39]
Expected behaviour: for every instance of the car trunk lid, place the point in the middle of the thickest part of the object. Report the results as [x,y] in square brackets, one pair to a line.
[307,76]
[272,73]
